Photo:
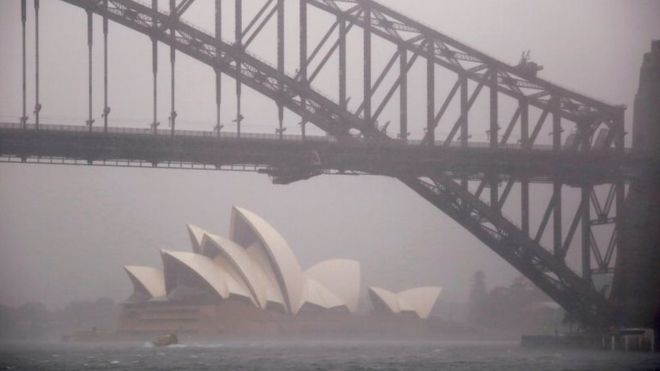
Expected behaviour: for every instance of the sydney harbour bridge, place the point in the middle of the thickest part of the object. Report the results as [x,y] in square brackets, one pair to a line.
[537,134]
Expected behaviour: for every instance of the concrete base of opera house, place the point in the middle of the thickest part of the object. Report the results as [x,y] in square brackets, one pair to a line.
[235,319]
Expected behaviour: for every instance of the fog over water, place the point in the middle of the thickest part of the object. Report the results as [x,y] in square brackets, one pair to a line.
[320,355]
[65,232]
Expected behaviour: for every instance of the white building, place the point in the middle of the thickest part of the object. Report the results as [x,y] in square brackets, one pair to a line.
[252,274]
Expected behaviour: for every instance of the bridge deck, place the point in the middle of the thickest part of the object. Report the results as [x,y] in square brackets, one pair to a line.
[258,152]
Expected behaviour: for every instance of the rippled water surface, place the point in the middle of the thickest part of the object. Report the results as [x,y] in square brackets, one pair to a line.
[315,356]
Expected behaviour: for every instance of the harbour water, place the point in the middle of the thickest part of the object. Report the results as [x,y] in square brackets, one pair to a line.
[316,355]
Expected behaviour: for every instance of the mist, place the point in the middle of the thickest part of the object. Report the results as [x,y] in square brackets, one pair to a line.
[67,231]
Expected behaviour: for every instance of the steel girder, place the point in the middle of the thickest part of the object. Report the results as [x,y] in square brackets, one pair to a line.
[555,103]
[267,80]
[548,271]
[477,66]
[408,35]
[390,158]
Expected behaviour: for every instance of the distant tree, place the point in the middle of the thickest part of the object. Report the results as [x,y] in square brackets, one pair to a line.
[478,309]
[88,314]
[33,318]
[521,307]
[8,319]
[33,312]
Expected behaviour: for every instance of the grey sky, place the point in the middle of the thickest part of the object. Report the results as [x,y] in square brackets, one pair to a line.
[65,232]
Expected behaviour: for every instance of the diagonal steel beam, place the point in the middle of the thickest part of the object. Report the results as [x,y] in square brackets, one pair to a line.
[505,239]
[179,10]
[260,27]
[256,18]
[552,275]
[460,121]
[380,79]
[546,218]
[539,125]
[511,126]
[573,228]
[327,56]
[445,106]
[400,82]
[457,53]
[258,75]
[506,193]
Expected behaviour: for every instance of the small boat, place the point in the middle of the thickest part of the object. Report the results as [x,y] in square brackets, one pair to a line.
[165,340]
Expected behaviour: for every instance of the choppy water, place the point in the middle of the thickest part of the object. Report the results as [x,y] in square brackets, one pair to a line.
[316,356]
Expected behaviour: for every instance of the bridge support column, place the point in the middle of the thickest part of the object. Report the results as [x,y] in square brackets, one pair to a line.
[621,216]
[106,108]
[280,61]
[558,242]
[173,113]
[37,105]
[430,95]
[465,109]
[586,233]
[620,139]
[154,65]
[493,132]
[23,21]
[238,33]
[494,192]
[90,42]
[218,75]
[403,94]
[303,57]
[524,206]
[556,125]
[524,124]
[367,65]
[342,63]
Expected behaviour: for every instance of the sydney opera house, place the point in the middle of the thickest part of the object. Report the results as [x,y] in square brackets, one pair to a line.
[252,282]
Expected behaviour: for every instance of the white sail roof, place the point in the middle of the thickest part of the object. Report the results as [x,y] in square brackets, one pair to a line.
[242,263]
[421,299]
[150,281]
[256,263]
[385,299]
[210,271]
[247,228]
[235,281]
[318,295]
[196,235]
[418,300]
[341,277]
[266,276]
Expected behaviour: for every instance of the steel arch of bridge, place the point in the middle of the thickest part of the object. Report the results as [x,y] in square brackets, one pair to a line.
[479,214]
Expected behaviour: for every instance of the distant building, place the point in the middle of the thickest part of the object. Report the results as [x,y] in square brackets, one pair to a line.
[250,281]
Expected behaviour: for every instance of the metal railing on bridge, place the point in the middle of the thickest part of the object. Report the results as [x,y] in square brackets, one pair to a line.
[255,136]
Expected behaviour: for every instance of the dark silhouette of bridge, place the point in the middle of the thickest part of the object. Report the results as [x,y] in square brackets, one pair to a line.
[469,181]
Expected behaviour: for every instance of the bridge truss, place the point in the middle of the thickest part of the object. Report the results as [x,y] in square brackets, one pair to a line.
[471,185]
